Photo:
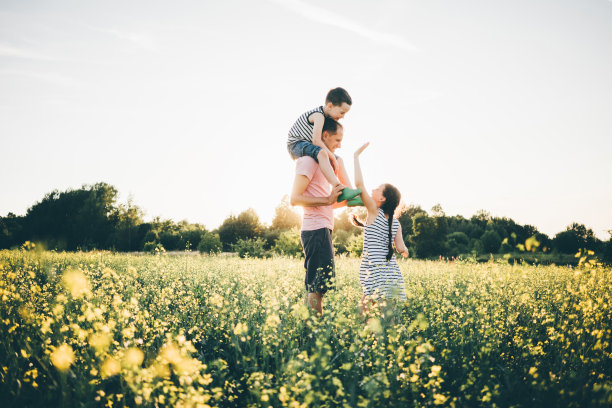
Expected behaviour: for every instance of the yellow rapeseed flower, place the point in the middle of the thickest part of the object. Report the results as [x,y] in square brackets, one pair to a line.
[110,367]
[100,341]
[76,282]
[273,321]
[171,353]
[62,357]
[133,357]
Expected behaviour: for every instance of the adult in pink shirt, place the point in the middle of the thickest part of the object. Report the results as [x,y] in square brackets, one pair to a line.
[312,191]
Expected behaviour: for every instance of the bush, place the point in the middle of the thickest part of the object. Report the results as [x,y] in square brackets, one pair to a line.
[491,242]
[270,236]
[251,247]
[151,236]
[246,225]
[341,240]
[355,245]
[607,252]
[153,247]
[289,243]
[210,243]
[457,243]
[191,238]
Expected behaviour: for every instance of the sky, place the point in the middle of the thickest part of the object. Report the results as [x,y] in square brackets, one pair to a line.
[185,106]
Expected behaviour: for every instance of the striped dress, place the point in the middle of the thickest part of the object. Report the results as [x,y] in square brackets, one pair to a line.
[302,128]
[377,276]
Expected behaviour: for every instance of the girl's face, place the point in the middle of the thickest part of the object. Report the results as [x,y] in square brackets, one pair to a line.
[377,195]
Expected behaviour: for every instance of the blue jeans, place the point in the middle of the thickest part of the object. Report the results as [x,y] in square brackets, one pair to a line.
[303,148]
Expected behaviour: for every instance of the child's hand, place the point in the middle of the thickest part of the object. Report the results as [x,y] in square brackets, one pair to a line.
[361,149]
[405,254]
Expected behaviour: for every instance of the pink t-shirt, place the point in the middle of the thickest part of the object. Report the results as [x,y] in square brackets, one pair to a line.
[320,216]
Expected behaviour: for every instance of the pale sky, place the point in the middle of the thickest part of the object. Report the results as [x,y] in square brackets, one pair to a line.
[504,106]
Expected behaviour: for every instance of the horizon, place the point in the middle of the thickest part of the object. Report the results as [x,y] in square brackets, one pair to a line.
[503,107]
[297,209]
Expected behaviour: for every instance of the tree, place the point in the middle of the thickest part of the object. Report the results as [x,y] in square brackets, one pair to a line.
[210,243]
[73,219]
[245,226]
[491,241]
[342,221]
[575,237]
[127,221]
[457,243]
[425,237]
[405,215]
[285,217]
[11,231]
[289,243]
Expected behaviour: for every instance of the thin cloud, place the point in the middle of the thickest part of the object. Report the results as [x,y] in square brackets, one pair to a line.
[51,78]
[141,40]
[323,16]
[14,52]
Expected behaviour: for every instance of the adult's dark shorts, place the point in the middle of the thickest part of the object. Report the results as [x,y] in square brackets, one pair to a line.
[319,260]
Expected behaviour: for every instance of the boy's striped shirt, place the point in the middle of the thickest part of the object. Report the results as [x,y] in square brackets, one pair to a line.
[302,128]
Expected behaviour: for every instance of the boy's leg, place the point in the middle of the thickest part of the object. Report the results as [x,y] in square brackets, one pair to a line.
[348,192]
[342,174]
[326,168]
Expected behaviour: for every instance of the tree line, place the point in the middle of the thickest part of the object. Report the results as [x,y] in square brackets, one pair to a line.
[91,218]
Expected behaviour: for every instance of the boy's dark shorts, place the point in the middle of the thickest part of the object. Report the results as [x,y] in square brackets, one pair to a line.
[319,260]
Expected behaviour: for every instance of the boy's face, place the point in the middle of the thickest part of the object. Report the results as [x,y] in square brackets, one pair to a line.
[333,141]
[338,112]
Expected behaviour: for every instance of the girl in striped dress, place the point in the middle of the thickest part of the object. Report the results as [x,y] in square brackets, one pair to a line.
[379,273]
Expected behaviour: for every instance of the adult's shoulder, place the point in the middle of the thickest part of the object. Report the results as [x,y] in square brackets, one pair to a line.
[306,166]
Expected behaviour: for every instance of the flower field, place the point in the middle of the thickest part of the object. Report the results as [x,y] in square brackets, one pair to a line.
[113,330]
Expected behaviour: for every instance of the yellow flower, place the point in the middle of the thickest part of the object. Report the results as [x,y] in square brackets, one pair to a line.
[76,282]
[100,341]
[62,357]
[272,321]
[374,325]
[110,367]
[240,328]
[171,353]
[133,357]
[439,399]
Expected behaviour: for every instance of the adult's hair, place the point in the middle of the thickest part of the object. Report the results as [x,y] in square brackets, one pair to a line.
[331,126]
[338,96]
[392,199]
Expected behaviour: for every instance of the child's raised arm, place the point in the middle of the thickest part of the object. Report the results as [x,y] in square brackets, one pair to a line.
[368,202]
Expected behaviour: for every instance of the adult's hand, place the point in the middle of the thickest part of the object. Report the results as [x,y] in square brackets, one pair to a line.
[333,197]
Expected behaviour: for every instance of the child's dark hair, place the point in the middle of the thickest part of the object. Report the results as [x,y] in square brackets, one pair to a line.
[338,96]
[392,199]
[331,126]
